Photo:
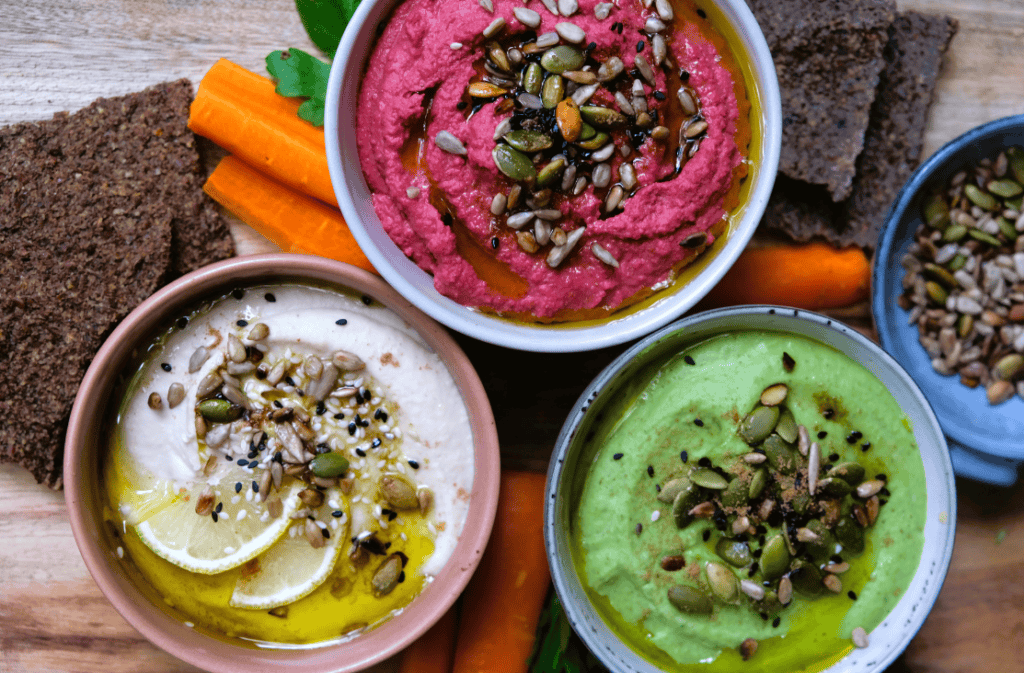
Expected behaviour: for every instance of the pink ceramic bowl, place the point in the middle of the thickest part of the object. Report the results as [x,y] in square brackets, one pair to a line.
[122,586]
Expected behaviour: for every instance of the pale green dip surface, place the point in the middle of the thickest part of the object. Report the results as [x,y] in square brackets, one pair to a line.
[652,427]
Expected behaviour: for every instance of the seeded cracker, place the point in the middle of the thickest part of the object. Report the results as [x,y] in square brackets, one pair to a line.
[828,56]
[97,210]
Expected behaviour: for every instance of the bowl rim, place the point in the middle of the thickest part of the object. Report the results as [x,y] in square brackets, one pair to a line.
[584,619]
[209,652]
[346,176]
[881,309]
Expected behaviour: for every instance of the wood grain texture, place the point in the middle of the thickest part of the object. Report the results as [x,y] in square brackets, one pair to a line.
[62,54]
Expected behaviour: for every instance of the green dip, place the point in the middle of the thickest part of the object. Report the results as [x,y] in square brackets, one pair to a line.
[694,402]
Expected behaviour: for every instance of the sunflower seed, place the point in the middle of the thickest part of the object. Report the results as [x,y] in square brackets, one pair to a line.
[531,101]
[488,5]
[209,384]
[498,204]
[584,93]
[870,488]
[581,184]
[559,253]
[696,128]
[602,175]
[198,359]
[347,362]
[580,76]
[570,32]
[624,104]
[602,10]
[541,231]
[527,17]
[558,236]
[154,401]
[603,154]
[515,56]
[833,583]
[519,220]
[610,69]
[645,69]
[686,100]
[568,177]
[627,176]
[614,199]
[547,40]
[860,637]
[217,435]
[527,242]
[664,8]
[602,254]
[567,7]
[449,143]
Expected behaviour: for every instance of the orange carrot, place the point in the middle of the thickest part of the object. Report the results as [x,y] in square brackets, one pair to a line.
[503,602]
[293,221]
[813,276]
[239,111]
[432,652]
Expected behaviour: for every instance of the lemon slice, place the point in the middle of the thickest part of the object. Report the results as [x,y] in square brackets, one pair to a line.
[242,529]
[292,568]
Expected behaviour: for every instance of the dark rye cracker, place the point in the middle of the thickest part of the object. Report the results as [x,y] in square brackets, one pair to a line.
[893,143]
[97,210]
[895,137]
[828,56]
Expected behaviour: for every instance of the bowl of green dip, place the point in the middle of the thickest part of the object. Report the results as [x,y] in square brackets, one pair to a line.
[751,485]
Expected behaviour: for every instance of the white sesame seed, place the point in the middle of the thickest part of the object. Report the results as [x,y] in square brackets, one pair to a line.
[655,515]
[241,514]
[190,625]
[120,552]
[456,46]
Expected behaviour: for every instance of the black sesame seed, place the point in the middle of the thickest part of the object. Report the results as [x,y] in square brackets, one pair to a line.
[376,442]
[252,454]
[241,323]
[238,293]
[798,480]
[822,435]
[166,367]
[657,488]
[327,533]
[650,470]
[461,105]
[229,458]
[182,323]
[660,95]
[220,508]
[238,487]
[277,403]
[639,528]
[352,428]
[341,321]
[495,242]
[688,360]
[763,616]
[706,535]
[684,76]
[255,486]
[753,569]
[392,515]
[278,457]
[881,476]
[340,415]
[290,381]
[640,46]
[414,464]
[756,553]
[702,14]
[253,463]
[836,558]
[852,595]
[834,457]
[366,300]
[321,409]
[243,461]
[853,437]
[619,31]
[684,456]
[865,446]
[361,453]
[882,502]
[886,493]
[699,423]
[213,515]
[270,297]
[777,620]
[617,456]
[592,46]
[337,514]
[322,447]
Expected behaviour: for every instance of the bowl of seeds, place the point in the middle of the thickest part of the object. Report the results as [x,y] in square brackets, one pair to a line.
[554,178]
[277,463]
[948,293]
[752,484]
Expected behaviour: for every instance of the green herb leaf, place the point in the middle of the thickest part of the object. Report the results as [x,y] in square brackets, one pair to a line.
[325,21]
[301,75]
[556,648]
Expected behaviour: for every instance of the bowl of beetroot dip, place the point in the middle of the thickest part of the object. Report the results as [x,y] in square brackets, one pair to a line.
[558,176]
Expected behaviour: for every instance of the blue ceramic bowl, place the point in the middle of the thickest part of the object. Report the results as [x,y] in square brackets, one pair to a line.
[986,442]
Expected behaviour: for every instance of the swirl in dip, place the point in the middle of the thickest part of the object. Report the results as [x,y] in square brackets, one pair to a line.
[289,464]
[550,166]
[696,481]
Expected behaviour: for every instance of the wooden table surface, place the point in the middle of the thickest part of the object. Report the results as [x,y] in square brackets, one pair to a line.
[61,54]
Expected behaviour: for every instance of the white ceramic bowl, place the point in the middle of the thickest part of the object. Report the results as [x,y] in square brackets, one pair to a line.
[573,456]
[417,286]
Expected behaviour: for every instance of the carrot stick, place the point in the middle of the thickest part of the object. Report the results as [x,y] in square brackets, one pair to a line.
[239,111]
[293,221]
[432,652]
[503,602]
[813,276]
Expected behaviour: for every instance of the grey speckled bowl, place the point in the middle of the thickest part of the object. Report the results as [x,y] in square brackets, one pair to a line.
[571,460]
[85,501]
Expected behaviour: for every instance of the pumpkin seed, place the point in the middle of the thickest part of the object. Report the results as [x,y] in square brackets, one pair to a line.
[498,56]
[823,544]
[329,465]
[939,274]
[735,494]
[954,232]
[689,599]
[219,411]
[724,584]
[602,117]
[1005,188]
[936,212]
[552,91]
[1010,367]
[781,456]
[936,292]
[671,489]
[398,492]
[708,478]
[850,472]
[758,481]
[806,578]
[570,123]
[786,427]
[550,173]
[386,577]
[513,163]
[1016,161]
[850,535]
[980,198]
[599,140]
[686,499]
[528,141]
[758,424]
[734,552]
[562,58]
[533,78]
[834,487]
[1007,228]
[774,557]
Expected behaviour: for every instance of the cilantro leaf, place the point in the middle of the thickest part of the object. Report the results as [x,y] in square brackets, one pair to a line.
[325,21]
[301,75]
